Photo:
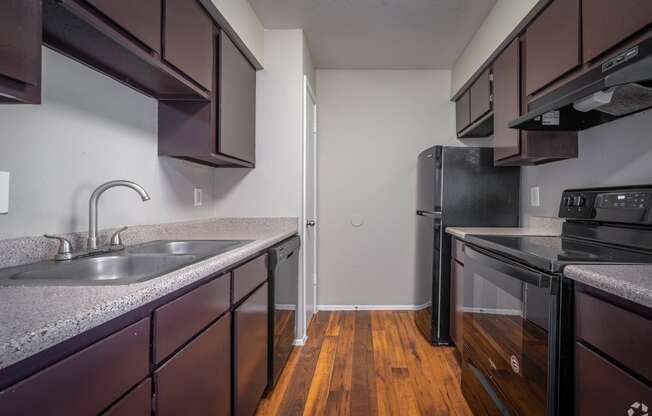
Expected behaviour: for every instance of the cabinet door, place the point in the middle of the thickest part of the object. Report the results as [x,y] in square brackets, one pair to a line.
[20,51]
[196,381]
[142,18]
[605,23]
[506,102]
[137,402]
[188,40]
[553,44]
[250,360]
[237,103]
[480,96]
[462,112]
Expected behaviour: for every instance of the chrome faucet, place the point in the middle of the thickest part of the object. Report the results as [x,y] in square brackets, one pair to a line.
[92,206]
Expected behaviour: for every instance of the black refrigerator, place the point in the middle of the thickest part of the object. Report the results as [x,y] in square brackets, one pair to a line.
[456,187]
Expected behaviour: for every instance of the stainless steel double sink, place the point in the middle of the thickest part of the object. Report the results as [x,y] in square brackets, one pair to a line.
[132,265]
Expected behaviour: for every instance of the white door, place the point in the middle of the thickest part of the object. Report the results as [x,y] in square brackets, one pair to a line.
[311,222]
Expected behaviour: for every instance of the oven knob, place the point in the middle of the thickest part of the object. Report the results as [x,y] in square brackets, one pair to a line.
[579,201]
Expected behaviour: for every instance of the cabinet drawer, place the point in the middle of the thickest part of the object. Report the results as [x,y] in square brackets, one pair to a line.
[184,317]
[137,403]
[196,381]
[622,335]
[248,276]
[87,382]
[603,389]
[142,19]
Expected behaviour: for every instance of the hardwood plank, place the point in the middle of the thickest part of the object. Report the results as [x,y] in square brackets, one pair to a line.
[339,396]
[363,392]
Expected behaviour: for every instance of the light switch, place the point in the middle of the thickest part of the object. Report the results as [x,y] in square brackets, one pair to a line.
[4,192]
[534,196]
[199,197]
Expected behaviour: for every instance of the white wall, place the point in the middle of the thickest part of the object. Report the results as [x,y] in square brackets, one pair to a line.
[90,129]
[274,187]
[614,154]
[372,126]
[245,22]
[503,18]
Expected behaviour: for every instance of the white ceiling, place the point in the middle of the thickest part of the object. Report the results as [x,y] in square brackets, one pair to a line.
[379,34]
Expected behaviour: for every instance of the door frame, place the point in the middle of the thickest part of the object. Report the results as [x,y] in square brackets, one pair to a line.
[307,283]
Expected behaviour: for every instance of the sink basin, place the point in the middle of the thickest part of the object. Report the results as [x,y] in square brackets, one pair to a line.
[195,247]
[101,270]
[135,264]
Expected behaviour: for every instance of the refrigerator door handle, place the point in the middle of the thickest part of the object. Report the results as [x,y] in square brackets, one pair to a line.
[432,214]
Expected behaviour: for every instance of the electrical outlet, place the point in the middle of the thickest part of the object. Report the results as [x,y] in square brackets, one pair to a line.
[199,197]
[534,196]
[4,192]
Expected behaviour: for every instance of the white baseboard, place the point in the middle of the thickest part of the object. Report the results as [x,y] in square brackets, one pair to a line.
[299,342]
[373,307]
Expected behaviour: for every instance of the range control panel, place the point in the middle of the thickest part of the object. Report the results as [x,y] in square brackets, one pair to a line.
[624,205]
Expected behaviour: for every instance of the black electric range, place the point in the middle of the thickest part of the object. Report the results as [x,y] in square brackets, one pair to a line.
[517,306]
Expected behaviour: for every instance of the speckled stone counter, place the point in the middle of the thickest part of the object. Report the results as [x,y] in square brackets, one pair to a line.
[537,226]
[631,282]
[35,318]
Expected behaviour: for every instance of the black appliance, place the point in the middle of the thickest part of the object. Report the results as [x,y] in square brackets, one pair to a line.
[283,301]
[619,86]
[457,186]
[517,308]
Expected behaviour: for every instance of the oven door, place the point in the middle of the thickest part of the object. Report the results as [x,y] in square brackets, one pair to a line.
[509,333]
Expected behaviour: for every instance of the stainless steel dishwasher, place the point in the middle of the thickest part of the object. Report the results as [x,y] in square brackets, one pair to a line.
[283,303]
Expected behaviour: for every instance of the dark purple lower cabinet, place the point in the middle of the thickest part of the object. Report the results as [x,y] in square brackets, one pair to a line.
[86,383]
[137,402]
[196,380]
[250,348]
[601,388]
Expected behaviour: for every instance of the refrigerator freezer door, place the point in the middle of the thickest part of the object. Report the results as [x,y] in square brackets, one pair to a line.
[429,179]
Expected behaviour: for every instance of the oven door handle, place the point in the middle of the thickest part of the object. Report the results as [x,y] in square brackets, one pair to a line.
[507,267]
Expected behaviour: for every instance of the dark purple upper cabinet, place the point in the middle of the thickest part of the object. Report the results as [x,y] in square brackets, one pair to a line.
[236,125]
[20,51]
[462,112]
[480,96]
[188,40]
[141,19]
[605,23]
[507,142]
[553,44]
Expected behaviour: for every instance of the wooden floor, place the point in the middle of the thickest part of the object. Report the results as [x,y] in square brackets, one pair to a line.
[367,363]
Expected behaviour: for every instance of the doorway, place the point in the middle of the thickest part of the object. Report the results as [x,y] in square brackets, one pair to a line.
[310,220]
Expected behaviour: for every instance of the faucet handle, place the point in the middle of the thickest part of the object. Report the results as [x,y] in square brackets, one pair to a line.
[116,239]
[65,248]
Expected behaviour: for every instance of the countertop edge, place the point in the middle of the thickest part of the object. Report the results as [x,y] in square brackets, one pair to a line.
[25,345]
[629,282]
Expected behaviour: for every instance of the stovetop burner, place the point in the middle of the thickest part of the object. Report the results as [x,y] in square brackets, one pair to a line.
[551,254]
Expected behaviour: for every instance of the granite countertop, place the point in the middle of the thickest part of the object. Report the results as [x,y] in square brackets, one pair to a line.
[537,226]
[631,282]
[35,318]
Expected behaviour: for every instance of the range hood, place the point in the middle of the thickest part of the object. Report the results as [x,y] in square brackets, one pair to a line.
[620,86]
